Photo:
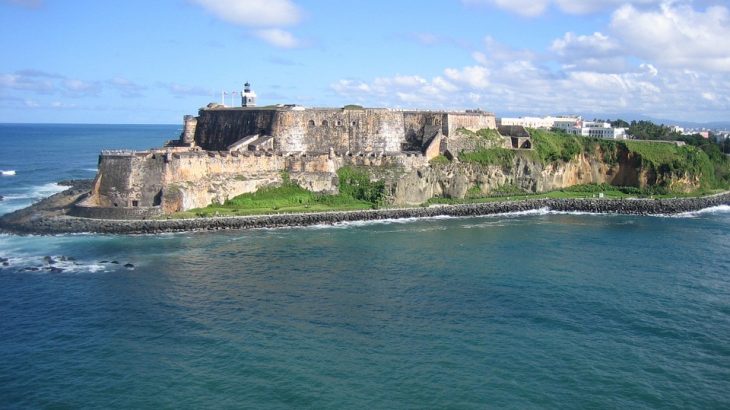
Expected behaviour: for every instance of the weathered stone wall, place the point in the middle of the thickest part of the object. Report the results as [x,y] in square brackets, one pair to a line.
[176,181]
[421,127]
[318,130]
[89,211]
[219,128]
[470,121]
[128,180]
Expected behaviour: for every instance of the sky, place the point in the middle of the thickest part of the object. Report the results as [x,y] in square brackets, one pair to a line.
[142,61]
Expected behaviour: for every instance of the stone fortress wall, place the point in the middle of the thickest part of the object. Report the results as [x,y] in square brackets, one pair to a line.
[225,152]
[346,130]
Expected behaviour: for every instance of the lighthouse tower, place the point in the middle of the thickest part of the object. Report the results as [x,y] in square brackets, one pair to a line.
[248,97]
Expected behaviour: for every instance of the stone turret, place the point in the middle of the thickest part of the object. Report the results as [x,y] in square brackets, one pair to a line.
[188,134]
[248,97]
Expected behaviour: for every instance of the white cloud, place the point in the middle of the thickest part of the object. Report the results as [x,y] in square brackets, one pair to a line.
[80,87]
[525,85]
[533,8]
[253,13]
[41,82]
[593,6]
[181,90]
[528,8]
[127,87]
[596,52]
[473,76]
[278,38]
[676,35]
[596,44]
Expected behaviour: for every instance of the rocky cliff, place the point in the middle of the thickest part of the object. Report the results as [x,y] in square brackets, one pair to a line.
[500,171]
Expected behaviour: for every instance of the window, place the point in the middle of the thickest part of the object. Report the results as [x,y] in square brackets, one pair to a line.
[311,123]
[135,203]
[325,123]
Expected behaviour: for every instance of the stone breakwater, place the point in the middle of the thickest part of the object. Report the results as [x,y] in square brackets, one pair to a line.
[40,222]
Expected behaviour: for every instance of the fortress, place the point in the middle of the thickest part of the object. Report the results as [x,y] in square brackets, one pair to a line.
[228,151]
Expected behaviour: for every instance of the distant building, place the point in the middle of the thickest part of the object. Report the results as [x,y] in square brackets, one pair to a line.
[562,122]
[597,130]
[678,129]
[704,134]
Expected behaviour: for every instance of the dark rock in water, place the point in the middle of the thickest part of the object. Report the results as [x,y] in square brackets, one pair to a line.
[115,262]
[49,260]
[129,266]
[104,262]
[3,259]
[70,259]
[31,269]
[6,263]
[1,197]
[56,270]
[62,258]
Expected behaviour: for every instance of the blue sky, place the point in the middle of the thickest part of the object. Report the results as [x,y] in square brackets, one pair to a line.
[103,61]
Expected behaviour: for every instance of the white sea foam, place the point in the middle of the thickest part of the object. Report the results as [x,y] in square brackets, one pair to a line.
[37,264]
[27,196]
[90,169]
[7,173]
[713,210]
[37,192]
[21,260]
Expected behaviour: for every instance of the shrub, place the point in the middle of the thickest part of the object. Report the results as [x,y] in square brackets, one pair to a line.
[356,184]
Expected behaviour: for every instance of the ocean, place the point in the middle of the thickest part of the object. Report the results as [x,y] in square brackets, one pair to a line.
[525,310]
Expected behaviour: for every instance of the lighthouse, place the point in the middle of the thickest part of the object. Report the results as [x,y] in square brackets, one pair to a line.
[248,97]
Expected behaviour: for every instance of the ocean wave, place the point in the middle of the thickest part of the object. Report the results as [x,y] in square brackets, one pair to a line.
[37,192]
[7,173]
[387,221]
[18,262]
[713,210]
[27,196]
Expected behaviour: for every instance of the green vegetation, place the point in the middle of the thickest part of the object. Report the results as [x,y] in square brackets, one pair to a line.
[439,160]
[700,158]
[356,192]
[355,183]
[489,135]
[489,156]
[353,107]
[553,146]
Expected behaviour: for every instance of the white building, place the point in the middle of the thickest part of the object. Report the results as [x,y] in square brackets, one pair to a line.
[541,122]
[597,130]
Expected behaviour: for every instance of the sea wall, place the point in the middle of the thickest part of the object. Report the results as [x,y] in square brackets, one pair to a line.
[45,222]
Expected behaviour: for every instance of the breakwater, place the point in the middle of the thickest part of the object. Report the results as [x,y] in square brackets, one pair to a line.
[37,219]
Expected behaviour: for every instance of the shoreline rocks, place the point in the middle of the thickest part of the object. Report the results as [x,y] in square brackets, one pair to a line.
[46,218]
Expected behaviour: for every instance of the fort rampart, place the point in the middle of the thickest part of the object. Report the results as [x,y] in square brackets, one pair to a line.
[224,152]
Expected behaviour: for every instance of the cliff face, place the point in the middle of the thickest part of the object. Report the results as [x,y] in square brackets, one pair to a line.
[526,173]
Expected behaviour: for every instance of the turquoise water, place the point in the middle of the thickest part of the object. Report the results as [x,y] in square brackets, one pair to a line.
[523,310]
